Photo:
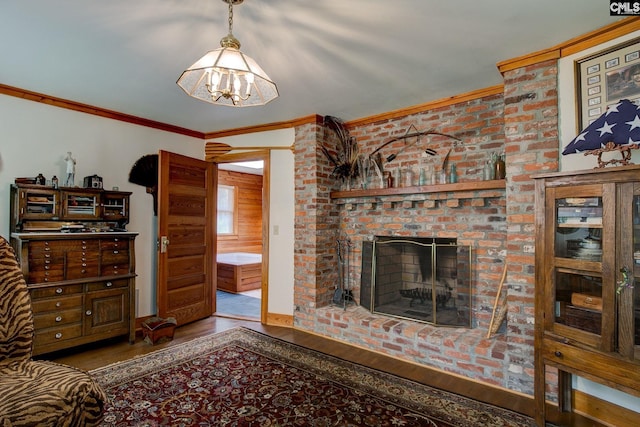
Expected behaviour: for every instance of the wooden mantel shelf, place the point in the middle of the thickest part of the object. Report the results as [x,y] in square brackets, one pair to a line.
[423,189]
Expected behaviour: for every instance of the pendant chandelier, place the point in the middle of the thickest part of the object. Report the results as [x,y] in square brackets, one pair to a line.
[226,76]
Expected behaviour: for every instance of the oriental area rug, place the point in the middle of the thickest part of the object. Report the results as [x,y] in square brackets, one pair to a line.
[244,378]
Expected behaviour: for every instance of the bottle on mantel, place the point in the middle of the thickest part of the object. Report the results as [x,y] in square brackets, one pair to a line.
[500,167]
[453,175]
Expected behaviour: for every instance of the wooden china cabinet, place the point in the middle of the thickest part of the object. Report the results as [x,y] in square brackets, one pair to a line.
[587,262]
[78,260]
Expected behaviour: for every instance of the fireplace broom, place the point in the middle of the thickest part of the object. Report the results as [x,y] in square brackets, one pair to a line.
[496,321]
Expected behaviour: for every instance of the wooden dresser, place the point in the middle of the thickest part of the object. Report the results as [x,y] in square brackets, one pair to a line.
[78,261]
[82,286]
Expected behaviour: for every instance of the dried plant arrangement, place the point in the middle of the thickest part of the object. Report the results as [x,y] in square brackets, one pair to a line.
[346,160]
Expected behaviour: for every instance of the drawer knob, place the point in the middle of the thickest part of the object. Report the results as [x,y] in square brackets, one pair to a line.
[558,353]
[88,313]
[58,290]
[108,284]
[58,335]
[58,304]
[58,318]
[115,252]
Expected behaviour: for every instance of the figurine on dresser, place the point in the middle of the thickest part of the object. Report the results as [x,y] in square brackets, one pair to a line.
[71,169]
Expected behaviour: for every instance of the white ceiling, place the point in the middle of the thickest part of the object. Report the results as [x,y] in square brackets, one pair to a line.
[345,58]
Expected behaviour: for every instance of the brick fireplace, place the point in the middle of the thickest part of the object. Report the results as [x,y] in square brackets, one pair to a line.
[496,221]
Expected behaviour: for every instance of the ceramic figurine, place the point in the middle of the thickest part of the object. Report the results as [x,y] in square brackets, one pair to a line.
[71,169]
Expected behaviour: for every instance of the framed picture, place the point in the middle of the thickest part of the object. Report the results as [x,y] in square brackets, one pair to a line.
[605,78]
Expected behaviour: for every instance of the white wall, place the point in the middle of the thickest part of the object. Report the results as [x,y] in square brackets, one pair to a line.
[568,130]
[281,214]
[34,138]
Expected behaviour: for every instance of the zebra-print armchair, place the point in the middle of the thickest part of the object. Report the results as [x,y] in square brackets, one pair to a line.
[34,392]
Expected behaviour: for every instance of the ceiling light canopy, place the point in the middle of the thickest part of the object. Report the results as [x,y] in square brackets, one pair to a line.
[226,76]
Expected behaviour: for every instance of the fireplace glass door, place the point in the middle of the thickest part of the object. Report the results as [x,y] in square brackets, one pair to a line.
[425,280]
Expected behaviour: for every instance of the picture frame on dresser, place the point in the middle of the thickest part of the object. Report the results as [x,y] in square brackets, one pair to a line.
[605,78]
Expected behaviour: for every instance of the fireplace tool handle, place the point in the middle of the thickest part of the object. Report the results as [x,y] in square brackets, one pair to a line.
[346,290]
[339,293]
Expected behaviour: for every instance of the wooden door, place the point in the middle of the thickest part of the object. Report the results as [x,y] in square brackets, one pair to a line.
[186,234]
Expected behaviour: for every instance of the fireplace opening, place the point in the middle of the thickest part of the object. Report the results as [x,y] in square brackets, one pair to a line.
[422,279]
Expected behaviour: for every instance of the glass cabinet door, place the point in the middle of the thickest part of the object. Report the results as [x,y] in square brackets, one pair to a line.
[38,203]
[115,206]
[80,205]
[579,228]
[578,291]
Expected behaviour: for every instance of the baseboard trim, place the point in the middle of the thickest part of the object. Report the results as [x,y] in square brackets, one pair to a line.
[276,319]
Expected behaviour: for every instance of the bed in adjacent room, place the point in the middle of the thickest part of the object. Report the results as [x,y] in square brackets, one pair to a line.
[239,271]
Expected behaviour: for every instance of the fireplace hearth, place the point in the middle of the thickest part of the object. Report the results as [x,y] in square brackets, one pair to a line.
[422,279]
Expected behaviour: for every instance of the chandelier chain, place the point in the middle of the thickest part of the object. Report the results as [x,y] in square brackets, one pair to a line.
[231,17]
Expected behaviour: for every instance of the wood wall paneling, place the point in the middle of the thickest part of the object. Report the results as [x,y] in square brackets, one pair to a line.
[249,237]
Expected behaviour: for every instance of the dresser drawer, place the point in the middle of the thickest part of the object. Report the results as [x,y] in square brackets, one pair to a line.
[43,246]
[46,269]
[114,244]
[116,256]
[114,269]
[108,284]
[46,276]
[55,318]
[55,291]
[82,267]
[56,334]
[44,305]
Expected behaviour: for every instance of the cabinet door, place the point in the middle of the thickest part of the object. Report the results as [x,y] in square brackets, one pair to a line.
[581,225]
[38,203]
[115,206]
[107,309]
[80,204]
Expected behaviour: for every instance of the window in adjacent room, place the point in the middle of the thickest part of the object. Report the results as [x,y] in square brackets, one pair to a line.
[227,210]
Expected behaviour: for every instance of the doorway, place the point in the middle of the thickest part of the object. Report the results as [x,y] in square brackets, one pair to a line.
[242,218]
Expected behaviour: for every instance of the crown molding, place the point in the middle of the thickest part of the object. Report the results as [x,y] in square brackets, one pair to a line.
[577,44]
[96,111]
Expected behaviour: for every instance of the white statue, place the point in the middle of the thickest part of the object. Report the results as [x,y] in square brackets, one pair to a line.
[71,169]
